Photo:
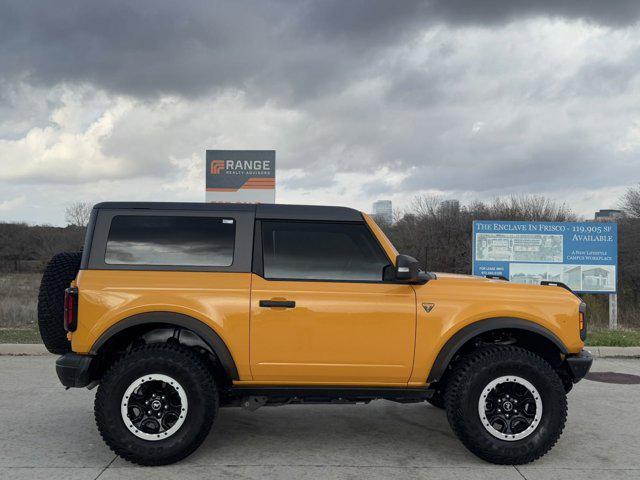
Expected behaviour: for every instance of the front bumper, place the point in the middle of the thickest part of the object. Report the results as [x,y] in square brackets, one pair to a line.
[74,370]
[579,365]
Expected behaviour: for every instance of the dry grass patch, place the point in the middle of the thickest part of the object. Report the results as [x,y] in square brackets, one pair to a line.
[19,300]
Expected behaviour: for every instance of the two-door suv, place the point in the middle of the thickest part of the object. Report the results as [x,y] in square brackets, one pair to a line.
[176,309]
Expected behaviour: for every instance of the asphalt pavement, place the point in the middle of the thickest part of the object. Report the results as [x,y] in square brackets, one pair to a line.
[49,433]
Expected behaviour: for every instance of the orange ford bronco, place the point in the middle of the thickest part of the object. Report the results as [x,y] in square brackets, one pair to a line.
[175,309]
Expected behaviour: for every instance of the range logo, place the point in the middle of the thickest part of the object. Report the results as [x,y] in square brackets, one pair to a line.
[216,166]
[240,176]
[240,166]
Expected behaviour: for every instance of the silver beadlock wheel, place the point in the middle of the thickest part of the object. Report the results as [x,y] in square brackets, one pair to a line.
[510,408]
[154,407]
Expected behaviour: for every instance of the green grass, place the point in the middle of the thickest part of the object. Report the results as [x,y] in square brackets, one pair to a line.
[614,338]
[20,335]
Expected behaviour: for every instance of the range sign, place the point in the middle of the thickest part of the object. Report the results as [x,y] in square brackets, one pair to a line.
[583,255]
[241,176]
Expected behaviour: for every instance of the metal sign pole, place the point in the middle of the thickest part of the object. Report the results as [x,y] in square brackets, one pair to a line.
[613,311]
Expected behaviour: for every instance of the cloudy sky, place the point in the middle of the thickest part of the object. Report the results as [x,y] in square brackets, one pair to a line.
[361,99]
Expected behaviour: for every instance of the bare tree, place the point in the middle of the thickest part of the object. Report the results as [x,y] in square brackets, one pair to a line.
[630,202]
[15,244]
[525,208]
[438,231]
[77,214]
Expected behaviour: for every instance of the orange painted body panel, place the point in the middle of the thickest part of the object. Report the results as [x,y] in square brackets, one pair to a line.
[461,300]
[220,300]
[385,243]
[338,332]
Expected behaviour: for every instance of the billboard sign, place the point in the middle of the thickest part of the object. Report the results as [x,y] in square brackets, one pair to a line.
[583,255]
[240,176]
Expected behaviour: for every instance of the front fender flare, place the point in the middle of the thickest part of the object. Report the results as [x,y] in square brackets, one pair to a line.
[208,335]
[457,340]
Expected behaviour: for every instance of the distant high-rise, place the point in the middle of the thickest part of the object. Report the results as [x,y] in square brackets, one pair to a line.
[608,215]
[383,211]
[450,206]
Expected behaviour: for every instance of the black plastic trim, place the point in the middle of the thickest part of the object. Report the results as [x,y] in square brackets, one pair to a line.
[461,337]
[257,265]
[88,239]
[335,392]
[277,303]
[73,370]
[189,206]
[579,365]
[497,277]
[556,284]
[307,212]
[262,210]
[205,332]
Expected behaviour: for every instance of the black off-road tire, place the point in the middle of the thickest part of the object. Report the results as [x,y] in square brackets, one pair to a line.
[178,362]
[437,399]
[466,385]
[57,276]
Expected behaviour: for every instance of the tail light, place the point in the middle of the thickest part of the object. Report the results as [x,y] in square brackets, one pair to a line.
[582,321]
[71,309]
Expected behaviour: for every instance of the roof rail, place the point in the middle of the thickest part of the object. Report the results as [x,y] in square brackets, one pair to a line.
[557,284]
[497,277]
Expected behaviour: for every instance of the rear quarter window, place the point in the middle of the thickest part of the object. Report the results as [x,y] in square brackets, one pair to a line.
[171,241]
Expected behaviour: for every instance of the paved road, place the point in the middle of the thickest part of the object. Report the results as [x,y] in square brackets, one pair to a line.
[49,433]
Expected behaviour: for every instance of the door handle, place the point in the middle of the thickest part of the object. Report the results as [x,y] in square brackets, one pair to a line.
[277,303]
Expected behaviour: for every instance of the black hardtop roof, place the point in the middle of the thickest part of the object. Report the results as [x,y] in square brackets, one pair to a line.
[262,210]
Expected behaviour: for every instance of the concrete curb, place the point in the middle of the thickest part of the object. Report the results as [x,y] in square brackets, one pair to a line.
[30,349]
[614,352]
[34,349]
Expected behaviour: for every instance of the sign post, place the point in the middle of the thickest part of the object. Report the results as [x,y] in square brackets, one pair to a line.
[613,311]
[245,176]
[582,255]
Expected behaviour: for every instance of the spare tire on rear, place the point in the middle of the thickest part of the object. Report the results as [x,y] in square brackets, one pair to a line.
[57,276]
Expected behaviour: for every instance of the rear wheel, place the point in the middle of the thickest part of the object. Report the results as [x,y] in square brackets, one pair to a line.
[506,404]
[57,276]
[156,405]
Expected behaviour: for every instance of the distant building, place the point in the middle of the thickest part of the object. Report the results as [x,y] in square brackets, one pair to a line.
[383,211]
[450,206]
[608,215]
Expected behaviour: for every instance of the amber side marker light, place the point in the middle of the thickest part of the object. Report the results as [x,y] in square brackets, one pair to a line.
[582,321]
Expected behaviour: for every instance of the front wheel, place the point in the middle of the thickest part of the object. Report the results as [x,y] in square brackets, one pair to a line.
[156,404]
[506,404]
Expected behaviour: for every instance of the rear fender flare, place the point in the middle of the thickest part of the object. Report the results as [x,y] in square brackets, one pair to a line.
[208,335]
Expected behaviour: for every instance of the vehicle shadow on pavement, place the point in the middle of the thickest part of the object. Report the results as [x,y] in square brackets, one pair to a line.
[380,433]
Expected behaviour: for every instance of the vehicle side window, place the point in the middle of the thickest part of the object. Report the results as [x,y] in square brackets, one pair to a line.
[170,241]
[321,251]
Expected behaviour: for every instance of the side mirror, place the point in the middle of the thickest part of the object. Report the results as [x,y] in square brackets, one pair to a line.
[408,270]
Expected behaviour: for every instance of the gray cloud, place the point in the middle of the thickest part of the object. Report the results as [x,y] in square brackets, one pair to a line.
[493,12]
[273,49]
[470,97]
